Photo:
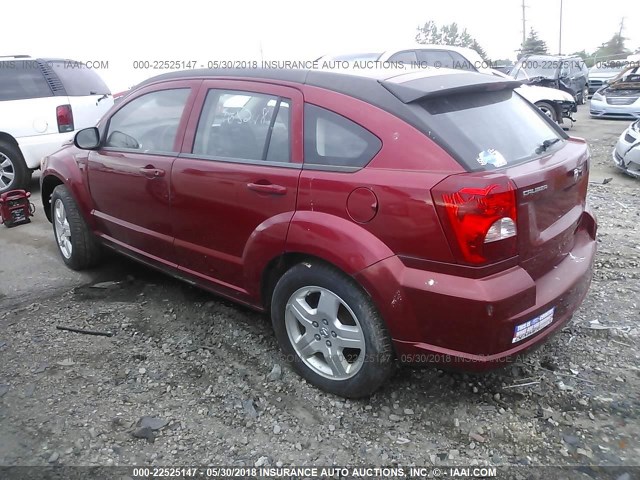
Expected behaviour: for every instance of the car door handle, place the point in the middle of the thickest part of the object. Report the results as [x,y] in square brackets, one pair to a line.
[267,188]
[151,172]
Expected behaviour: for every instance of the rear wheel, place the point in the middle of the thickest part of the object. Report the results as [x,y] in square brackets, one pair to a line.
[14,173]
[76,243]
[331,331]
[548,110]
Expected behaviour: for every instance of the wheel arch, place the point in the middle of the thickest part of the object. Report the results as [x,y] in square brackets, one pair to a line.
[47,186]
[7,137]
[318,237]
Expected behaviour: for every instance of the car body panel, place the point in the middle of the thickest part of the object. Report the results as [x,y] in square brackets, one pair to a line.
[131,190]
[209,241]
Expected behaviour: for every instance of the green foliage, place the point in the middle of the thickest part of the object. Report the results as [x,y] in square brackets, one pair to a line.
[613,49]
[533,45]
[451,35]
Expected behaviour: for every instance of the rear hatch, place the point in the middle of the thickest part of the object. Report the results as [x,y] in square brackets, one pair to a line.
[524,193]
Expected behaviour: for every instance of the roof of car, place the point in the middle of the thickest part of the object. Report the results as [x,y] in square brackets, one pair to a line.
[406,85]
[545,55]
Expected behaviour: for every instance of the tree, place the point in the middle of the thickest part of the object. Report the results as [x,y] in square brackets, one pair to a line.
[533,45]
[451,35]
[588,58]
[613,49]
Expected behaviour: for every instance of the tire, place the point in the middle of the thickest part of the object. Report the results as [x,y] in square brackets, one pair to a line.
[77,245]
[548,110]
[333,311]
[584,96]
[14,174]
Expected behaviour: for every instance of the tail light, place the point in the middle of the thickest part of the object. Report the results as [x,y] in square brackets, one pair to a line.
[479,216]
[64,115]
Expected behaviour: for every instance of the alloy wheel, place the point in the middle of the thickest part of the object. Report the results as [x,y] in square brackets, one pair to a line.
[325,333]
[7,171]
[62,229]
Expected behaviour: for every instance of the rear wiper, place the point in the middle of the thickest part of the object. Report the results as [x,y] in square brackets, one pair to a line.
[546,144]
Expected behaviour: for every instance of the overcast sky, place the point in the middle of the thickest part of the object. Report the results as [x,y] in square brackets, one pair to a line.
[122,32]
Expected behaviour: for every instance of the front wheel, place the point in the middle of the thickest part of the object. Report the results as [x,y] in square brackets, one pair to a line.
[585,95]
[76,243]
[331,331]
[548,110]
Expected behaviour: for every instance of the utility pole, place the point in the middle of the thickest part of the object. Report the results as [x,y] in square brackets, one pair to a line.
[524,22]
[560,40]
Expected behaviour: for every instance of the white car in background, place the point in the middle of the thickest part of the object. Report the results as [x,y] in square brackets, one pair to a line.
[626,154]
[43,102]
[556,104]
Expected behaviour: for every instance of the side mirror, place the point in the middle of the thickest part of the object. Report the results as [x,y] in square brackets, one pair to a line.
[87,139]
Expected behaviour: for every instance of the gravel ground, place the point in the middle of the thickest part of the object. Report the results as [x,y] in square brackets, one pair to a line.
[190,379]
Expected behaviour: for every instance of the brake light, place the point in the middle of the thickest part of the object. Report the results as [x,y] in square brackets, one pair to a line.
[479,216]
[64,115]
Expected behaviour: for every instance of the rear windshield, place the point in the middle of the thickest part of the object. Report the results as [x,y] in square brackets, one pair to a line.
[489,130]
[78,80]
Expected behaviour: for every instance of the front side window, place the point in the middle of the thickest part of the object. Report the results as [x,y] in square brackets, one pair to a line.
[148,123]
[333,140]
[244,125]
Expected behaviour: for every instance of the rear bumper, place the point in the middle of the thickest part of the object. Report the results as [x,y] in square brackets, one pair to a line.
[470,323]
[36,147]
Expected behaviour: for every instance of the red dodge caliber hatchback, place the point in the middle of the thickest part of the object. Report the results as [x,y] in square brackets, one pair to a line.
[421,217]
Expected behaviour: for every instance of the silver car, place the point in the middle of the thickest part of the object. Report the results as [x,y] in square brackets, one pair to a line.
[620,98]
[626,154]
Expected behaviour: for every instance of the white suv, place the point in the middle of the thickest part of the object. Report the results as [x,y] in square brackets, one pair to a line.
[42,103]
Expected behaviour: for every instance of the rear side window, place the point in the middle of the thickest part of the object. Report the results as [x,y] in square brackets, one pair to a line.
[148,123]
[489,130]
[245,126]
[21,80]
[333,140]
[78,80]
[408,56]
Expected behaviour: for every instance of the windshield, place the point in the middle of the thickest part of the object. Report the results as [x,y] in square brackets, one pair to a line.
[534,68]
[490,129]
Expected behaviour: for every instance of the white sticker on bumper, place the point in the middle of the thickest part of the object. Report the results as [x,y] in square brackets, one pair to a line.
[534,325]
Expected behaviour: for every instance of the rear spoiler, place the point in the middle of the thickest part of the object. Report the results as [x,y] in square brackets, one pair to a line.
[425,87]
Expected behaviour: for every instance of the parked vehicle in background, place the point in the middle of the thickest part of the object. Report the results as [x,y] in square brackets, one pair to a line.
[620,98]
[600,74]
[568,73]
[415,56]
[390,217]
[626,154]
[43,102]
[556,104]
[506,69]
